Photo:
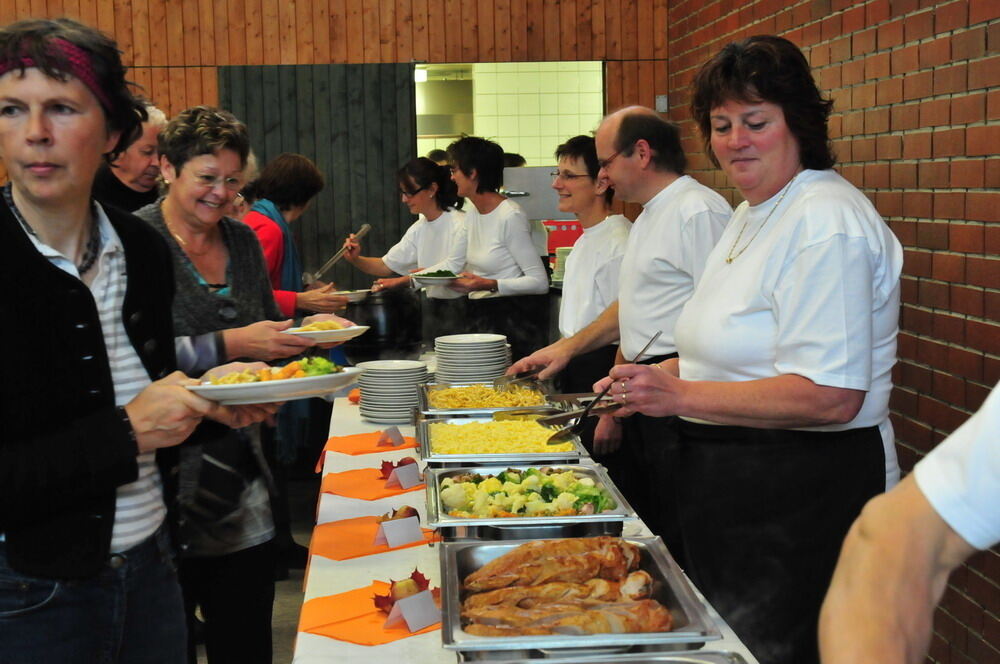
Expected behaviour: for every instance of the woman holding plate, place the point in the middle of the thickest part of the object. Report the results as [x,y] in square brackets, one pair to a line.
[227,530]
[785,355]
[435,242]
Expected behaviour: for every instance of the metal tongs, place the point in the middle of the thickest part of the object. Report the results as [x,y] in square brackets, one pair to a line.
[315,276]
[566,434]
[502,382]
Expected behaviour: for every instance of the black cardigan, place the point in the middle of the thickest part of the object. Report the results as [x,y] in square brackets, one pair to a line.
[64,448]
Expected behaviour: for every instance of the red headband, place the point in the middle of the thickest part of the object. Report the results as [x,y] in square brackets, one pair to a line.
[78,62]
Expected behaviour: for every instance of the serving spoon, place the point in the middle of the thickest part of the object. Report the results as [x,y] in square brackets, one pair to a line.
[566,434]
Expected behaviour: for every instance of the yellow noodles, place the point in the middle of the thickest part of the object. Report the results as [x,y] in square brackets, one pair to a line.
[485,396]
[509,437]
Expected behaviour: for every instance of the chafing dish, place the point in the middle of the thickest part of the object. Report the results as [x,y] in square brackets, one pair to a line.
[609,522]
[425,408]
[692,624]
[640,657]
[435,460]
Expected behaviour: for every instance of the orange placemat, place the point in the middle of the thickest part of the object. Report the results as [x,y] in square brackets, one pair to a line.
[363,484]
[360,443]
[353,538]
[352,617]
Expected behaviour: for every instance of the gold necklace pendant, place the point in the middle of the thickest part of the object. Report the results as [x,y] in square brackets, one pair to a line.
[730,256]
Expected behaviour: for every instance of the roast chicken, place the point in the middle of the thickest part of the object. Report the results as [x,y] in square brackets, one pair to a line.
[572,617]
[569,586]
[568,560]
[636,585]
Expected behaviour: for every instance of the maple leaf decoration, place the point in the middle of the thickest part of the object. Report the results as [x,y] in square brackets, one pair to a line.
[384,603]
[388,466]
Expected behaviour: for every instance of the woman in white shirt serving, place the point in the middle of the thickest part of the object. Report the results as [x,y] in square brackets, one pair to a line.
[435,241]
[785,352]
[504,276]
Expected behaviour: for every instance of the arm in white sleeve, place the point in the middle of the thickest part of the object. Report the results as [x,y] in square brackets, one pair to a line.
[517,237]
[402,256]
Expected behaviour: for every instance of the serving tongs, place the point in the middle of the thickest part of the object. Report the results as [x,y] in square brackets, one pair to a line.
[315,276]
[566,434]
[503,382]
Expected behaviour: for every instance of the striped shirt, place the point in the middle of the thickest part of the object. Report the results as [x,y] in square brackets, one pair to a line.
[139,508]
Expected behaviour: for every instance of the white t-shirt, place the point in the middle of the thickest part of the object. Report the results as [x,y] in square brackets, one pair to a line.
[590,284]
[664,259]
[815,293]
[500,247]
[431,245]
[961,476]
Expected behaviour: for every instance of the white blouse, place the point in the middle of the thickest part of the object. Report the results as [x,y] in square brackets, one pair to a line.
[431,245]
[815,293]
[500,247]
[590,284]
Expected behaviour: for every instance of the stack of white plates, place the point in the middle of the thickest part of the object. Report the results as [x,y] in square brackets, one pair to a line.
[466,358]
[389,389]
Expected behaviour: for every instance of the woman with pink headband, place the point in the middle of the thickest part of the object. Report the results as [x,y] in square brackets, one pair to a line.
[95,412]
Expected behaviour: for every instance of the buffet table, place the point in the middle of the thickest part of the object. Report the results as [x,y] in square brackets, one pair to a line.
[325,576]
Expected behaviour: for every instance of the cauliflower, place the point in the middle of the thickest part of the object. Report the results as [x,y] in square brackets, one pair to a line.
[564,501]
[512,488]
[490,485]
[480,502]
[536,507]
[586,481]
[517,503]
[531,483]
[563,481]
[454,496]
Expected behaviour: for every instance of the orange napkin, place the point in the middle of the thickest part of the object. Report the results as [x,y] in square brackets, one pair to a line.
[353,538]
[352,617]
[363,484]
[360,443]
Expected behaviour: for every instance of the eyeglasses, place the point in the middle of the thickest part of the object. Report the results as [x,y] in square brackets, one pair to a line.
[410,194]
[567,176]
[604,163]
[211,181]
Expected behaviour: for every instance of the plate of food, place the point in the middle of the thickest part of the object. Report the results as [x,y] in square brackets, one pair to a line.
[325,331]
[301,379]
[353,295]
[434,278]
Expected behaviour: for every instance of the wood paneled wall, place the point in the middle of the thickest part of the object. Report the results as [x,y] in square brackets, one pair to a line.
[174,46]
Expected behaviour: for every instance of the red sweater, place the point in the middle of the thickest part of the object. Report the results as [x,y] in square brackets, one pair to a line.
[273,244]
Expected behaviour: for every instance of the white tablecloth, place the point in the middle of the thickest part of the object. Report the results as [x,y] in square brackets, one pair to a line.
[328,577]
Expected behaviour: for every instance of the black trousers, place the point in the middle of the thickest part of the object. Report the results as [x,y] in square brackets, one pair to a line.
[236,594]
[763,514]
[441,317]
[523,319]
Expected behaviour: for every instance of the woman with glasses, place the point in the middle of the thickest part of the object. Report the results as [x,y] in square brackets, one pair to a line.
[590,284]
[282,193]
[435,241]
[223,294]
[504,278]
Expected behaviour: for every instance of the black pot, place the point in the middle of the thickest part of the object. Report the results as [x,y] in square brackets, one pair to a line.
[394,319]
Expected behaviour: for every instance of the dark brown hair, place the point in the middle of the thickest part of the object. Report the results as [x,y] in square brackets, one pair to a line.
[33,39]
[663,137]
[423,172]
[771,69]
[471,153]
[583,148]
[202,130]
[289,180]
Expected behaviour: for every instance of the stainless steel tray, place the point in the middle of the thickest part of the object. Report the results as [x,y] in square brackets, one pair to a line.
[526,527]
[424,407]
[433,460]
[692,624]
[642,656]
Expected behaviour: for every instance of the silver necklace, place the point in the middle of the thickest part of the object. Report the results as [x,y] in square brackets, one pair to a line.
[93,242]
[730,256]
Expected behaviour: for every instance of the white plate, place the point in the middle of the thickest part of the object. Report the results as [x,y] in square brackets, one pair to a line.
[470,339]
[326,336]
[353,295]
[432,281]
[288,389]
[391,365]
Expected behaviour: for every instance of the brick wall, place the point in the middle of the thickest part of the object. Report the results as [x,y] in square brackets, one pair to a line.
[916,125]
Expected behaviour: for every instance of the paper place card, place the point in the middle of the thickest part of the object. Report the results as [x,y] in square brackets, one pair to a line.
[404,477]
[399,532]
[417,611]
[390,437]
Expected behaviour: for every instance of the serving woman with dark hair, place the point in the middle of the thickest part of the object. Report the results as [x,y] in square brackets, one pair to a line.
[282,193]
[504,276]
[227,531]
[435,241]
[786,349]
